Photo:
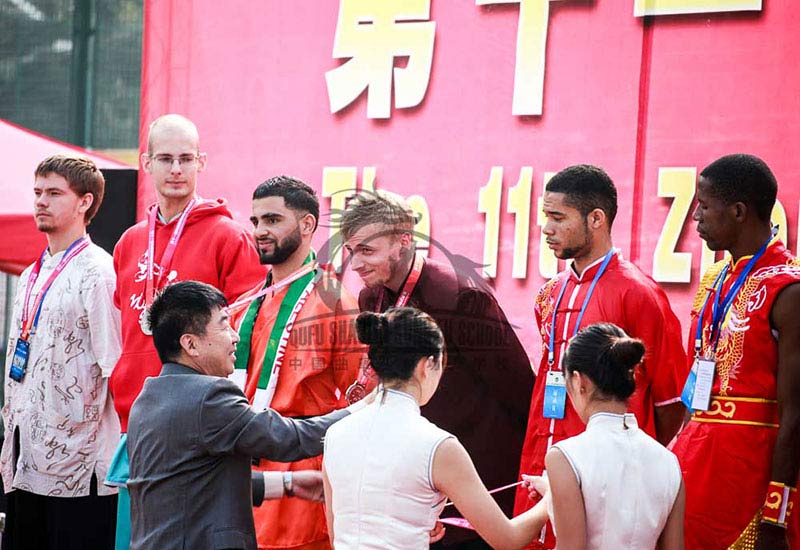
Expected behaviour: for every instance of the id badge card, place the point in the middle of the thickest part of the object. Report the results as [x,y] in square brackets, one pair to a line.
[555,395]
[20,360]
[696,394]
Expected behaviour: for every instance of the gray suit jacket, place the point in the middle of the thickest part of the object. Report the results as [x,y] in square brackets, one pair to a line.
[191,439]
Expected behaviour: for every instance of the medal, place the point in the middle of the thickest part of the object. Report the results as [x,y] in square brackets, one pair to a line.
[144,324]
[151,283]
[358,389]
[356,392]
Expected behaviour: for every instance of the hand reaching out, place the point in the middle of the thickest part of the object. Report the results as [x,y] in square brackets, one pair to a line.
[538,486]
[437,533]
[307,484]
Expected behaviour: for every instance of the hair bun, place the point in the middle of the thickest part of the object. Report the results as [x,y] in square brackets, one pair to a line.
[628,352]
[372,328]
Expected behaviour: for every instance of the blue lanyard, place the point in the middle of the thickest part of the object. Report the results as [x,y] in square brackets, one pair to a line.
[720,310]
[551,348]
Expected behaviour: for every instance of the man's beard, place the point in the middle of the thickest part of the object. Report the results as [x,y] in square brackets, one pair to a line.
[282,249]
[45,227]
[573,251]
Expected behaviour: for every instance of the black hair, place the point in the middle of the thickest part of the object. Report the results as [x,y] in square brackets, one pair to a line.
[608,357]
[398,339]
[743,178]
[296,194]
[181,308]
[586,187]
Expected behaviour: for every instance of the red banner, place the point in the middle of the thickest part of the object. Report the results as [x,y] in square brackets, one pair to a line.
[467,107]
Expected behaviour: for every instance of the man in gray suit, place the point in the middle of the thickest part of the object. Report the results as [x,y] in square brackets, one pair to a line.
[192,433]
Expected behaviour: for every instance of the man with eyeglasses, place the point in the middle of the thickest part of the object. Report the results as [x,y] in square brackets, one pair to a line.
[182,238]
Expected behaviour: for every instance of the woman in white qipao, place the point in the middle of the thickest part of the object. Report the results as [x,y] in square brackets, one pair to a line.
[388,471]
[613,486]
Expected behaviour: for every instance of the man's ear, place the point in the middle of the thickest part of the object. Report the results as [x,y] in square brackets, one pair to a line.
[189,345]
[406,239]
[596,218]
[739,211]
[87,200]
[147,162]
[308,224]
[202,161]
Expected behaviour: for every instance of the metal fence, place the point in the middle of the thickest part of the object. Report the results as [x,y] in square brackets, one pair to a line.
[71,69]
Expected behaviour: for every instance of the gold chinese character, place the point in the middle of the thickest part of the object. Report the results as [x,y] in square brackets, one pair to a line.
[372,34]
[670,7]
[534,16]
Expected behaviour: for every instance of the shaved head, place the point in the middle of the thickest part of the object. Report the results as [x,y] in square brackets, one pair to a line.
[172,124]
[173,159]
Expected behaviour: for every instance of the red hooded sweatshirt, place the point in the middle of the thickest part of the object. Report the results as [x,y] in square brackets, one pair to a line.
[213,249]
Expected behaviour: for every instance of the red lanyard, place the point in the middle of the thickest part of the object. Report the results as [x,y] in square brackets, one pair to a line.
[357,390]
[30,315]
[166,258]
[299,274]
[408,288]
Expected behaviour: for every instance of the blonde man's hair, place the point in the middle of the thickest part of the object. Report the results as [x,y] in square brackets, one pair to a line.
[383,207]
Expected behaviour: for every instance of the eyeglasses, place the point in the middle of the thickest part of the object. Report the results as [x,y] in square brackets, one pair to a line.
[166,161]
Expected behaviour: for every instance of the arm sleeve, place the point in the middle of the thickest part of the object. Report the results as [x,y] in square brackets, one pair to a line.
[266,486]
[651,319]
[504,366]
[117,254]
[273,485]
[103,317]
[14,321]
[230,426]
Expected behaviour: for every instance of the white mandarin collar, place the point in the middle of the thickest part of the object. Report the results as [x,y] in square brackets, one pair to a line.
[611,421]
[397,397]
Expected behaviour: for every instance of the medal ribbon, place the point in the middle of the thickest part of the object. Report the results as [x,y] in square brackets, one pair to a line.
[720,310]
[357,389]
[551,346]
[408,287]
[152,285]
[305,270]
[300,284]
[30,314]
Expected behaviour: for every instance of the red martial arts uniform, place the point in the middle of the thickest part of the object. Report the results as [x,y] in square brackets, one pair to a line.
[631,300]
[726,452]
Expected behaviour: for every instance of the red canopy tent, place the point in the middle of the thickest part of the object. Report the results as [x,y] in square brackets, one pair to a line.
[23,149]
